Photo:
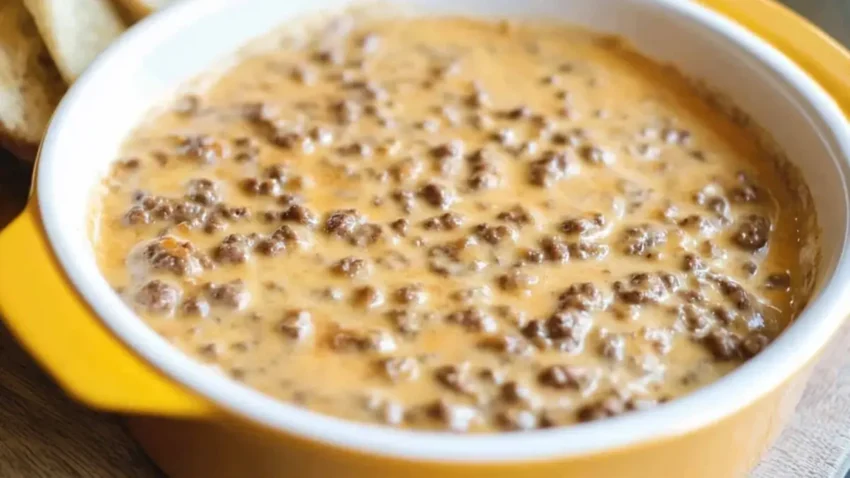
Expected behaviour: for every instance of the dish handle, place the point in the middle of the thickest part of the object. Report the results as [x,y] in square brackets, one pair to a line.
[57,328]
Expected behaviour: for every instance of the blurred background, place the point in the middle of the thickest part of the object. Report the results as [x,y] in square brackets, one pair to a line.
[832,15]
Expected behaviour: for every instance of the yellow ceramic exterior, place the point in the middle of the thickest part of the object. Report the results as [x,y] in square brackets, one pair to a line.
[224,449]
[189,437]
[58,329]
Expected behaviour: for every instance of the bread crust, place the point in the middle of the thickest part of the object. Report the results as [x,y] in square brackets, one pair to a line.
[139,9]
[30,84]
[75,31]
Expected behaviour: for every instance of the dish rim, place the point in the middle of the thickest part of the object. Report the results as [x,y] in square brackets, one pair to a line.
[797,345]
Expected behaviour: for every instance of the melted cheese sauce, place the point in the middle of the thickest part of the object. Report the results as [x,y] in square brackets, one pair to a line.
[455,224]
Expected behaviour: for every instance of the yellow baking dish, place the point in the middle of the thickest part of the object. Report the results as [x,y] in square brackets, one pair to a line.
[192,429]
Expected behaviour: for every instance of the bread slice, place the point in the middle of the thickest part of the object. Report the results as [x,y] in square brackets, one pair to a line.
[30,85]
[75,31]
[142,8]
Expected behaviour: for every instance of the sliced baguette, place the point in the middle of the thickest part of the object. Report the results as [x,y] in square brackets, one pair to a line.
[75,31]
[142,8]
[30,85]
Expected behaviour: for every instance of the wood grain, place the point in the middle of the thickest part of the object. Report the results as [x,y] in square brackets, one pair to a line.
[44,434]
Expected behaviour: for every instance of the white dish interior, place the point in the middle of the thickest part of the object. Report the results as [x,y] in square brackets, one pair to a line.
[145,65]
